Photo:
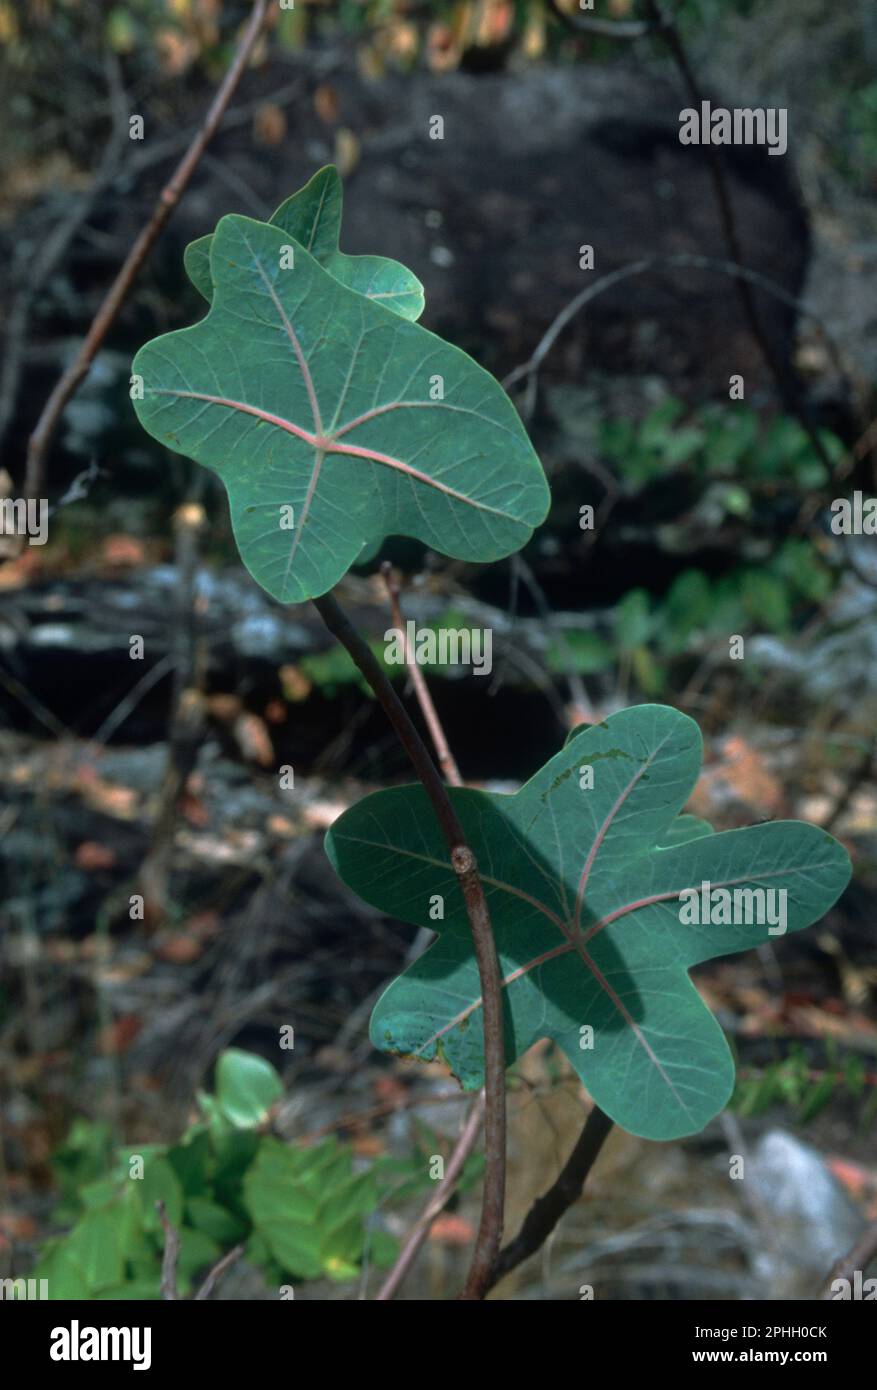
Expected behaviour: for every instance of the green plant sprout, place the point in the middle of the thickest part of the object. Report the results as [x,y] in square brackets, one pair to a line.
[298,1212]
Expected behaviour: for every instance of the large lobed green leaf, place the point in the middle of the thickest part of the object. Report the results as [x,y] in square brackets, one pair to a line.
[302,393]
[312,217]
[583,888]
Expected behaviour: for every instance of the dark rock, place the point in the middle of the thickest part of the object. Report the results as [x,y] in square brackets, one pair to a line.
[532,166]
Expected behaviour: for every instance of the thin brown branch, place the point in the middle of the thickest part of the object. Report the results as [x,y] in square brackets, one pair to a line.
[34,706]
[355,1119]
[170,195]
[436,1204]
[682,260]
[318,68]
[419,1232]
[170,1257]
[856,1260]
[215,1274]
[463,861]
[546,1211]
[578,694]
[446,760]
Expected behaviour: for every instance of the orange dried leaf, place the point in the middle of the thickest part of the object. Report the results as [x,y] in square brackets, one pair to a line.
[451,1229]
[253,739]
[178,948]
[326,103]
[269,125]
[91,856]
[118,1036]
[123,552]
[296,685]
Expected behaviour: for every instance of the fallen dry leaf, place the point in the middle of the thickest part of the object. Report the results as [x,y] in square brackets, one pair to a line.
[269,125]
[739,783]
[860,1182]
[17,1226]
[178,948]
[321,814]
[118,1036]
[390,1090]
[402,41]
[19,570]
[193,808]
[451,1229]
[296,685]
[367,1146]
[280,826]
[346,151]
[443,49]
[112,800]
[494,24]
[204,925]
[224,706]
[252,737]
[91,855]
[326,103]
[176,52]
[123,552]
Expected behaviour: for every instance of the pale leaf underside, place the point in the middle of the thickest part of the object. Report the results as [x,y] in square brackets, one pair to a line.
[314,403]
[583,888]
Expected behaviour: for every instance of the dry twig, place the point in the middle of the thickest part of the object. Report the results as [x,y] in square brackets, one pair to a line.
[463,862]
[105,317]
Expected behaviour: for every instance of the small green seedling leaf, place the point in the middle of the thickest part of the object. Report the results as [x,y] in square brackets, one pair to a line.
[246,1087]
[315,407]
[584,872]
[312,217]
